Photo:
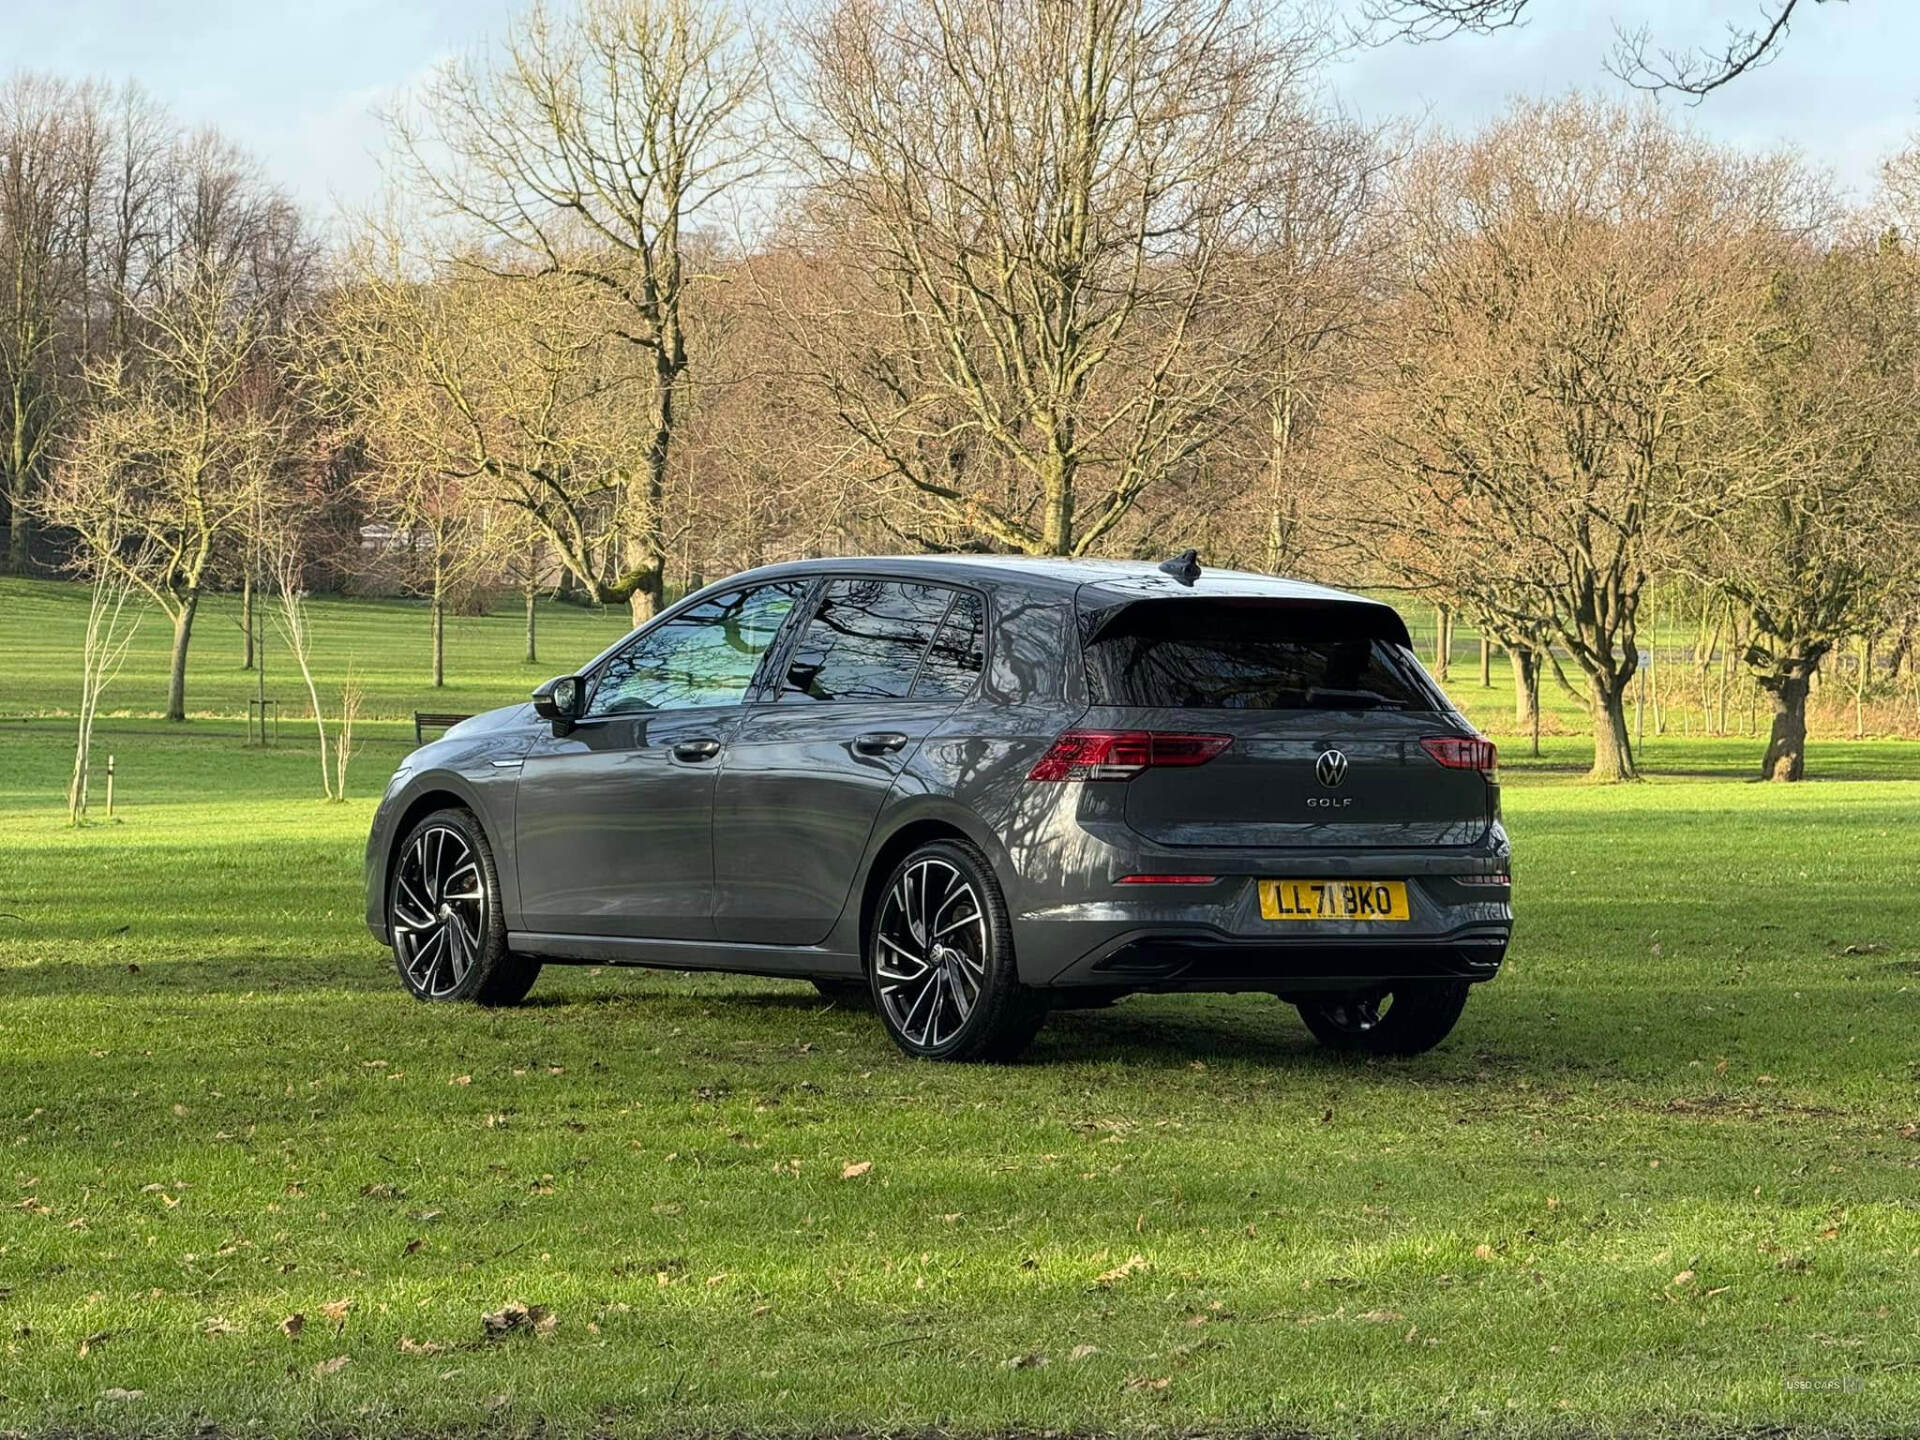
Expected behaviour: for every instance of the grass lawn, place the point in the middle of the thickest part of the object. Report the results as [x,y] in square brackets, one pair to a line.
[1667,1167]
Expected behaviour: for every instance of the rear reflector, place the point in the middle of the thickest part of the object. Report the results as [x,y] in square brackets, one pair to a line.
[1122,754]
[1167,879]
[1459,752]
[1500,879]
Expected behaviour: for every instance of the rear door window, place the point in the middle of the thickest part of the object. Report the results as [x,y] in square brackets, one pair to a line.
[866,641]
[959,653]
[1196,655]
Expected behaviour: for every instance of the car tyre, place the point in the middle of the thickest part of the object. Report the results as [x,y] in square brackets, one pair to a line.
[1404,1019]
[448,930]
[940,960]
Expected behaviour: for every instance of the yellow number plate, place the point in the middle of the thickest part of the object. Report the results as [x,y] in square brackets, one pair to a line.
[1334,900]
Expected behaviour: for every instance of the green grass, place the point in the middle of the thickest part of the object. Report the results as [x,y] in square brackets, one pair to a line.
[386,644]
[1668,1161]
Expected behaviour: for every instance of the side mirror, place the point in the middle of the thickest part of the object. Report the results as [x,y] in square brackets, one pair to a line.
[561,700]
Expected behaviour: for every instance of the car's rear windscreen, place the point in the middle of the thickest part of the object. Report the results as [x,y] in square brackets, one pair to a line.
[1254,655]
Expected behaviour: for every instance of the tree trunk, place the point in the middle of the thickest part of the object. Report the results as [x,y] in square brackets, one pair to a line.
[1612,745]
[643,604]
[1056,521]
[1283,511]
[177,671]
[1486,663]
[439,641]
[533,648]
[1525,685]
[19,527]
[246,623]
[1786,757]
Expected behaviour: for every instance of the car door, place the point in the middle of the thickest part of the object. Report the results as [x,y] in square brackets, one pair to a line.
[877,665]
[614,818]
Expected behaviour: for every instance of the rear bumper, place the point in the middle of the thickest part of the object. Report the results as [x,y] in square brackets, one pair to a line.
[1095,932]
[1207,960]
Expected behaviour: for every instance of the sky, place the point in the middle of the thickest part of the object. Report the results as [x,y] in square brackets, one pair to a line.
[299,81]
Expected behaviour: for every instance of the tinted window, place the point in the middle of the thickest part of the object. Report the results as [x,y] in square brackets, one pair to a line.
[1032,639]
[865,641]
[959,652]
[1194,655]
[702,658]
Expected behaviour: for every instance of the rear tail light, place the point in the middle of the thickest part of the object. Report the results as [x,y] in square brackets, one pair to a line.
[1122,754]
[1501,879]
[1460,752]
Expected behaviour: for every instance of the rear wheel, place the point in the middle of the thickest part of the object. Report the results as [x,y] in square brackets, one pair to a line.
[1404,1019]
[443,912]
[940,960]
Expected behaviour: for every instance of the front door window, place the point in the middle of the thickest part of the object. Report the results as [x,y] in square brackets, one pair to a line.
[703,658]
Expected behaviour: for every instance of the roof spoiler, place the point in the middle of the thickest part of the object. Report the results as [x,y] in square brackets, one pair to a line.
[1317,617]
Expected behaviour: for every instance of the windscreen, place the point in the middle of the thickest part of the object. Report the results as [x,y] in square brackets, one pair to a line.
[1239,655]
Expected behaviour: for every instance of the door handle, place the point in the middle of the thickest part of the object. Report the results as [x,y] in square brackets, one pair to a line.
[693,751]
[879,742]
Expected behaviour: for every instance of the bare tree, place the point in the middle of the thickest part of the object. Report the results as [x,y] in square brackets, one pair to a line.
[1325,257]
[44,177]
[172,448]
[110,631]
[435,528]
[588,148]
[1831,547]
[474,394]
[1050,211]
[1636,58]
[294,623]
[1583,277]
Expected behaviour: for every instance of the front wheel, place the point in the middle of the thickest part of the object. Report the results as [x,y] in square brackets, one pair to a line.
[443,912]
[1403,1019]
[940,960]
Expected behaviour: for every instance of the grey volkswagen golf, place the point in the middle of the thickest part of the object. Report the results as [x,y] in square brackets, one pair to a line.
[972,790]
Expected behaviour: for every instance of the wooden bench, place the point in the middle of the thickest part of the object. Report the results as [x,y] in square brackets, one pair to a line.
[433,720]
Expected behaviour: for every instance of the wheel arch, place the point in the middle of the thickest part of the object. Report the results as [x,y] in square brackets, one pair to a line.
[909,834]
[438,792]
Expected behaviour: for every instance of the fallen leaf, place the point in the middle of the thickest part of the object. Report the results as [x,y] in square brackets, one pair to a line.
[854,1169]
[1032,1360]
[1131,1266]
[1142,1382]
[1081,1352]
[409,1346]
[1483,1252]
[293,1325]
[330,1367]
[1685,1277]
[336,1313]
[516,1318]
